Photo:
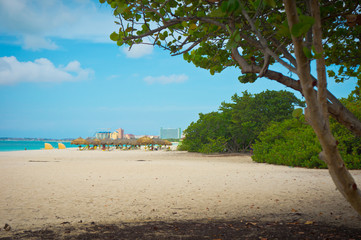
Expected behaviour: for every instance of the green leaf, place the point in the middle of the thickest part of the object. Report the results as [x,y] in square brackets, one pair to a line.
[307,52]
[303,26]
[231,44]
[297,112]
[316,54]
[201,14]
[114,36]
[161,36]
[120,10]
[298,29]
[331,73]
[237,38]
[271,3]
[283,30]
[248,78]
[192,26]
[224,6]
[113,5]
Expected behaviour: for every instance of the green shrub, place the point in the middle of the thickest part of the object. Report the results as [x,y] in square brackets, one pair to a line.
[217,145]
[237,124]
[294,143]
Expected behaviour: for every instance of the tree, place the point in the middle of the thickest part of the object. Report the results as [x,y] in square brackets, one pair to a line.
[252,35]
[209,134]
[291,143]
[237,124]
[251,114]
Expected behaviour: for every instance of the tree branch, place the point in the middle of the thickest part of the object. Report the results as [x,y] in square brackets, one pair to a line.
[264,44]
[320,61]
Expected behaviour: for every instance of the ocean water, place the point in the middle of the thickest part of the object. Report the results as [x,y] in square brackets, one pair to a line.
[28,145]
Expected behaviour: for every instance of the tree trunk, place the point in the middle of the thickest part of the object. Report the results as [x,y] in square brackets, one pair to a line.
[317,109]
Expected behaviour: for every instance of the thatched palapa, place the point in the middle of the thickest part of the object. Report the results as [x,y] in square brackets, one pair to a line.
[93,141]
[79,141]
[145,141]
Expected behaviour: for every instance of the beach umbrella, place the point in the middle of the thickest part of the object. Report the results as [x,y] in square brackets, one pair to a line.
[145,141]
[96,141]
[106,141]
[61,146]
[158,141]
[132,142]
[118,142]
[48,146]
[93,141]
[166,142]
[121,142]
[79,141]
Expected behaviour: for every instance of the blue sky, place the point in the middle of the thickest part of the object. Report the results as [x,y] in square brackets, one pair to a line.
[61,76]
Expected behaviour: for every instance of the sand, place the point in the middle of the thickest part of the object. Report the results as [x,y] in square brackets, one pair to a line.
[43,188]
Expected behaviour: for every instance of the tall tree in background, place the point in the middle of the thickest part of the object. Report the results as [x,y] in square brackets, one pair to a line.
[251,114]
[254,35]
[237,124]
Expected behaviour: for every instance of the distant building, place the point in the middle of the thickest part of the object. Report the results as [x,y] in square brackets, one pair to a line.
[114,135]
[167,133]
[120,132]
[139,136]
[153,136]
[129,136]
[102,135]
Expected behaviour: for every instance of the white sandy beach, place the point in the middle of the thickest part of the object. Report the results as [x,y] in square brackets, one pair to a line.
[48,187]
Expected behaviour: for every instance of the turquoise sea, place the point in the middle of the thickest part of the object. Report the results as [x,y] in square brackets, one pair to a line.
[6,145]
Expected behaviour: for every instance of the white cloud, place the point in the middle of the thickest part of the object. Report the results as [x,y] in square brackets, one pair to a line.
[138,50]
[81,19]
[166,79]
[36,43]
[41,70]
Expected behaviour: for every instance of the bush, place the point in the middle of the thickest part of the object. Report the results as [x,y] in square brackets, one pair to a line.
[291,143]
[237,124]
[294,143]
[217,145]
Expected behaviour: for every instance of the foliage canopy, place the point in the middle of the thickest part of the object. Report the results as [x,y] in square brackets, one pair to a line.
[236,125]
[293,142]
[250,35]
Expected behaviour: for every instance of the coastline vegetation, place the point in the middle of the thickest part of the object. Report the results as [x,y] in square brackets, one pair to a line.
[281,136]
[236,125]
[294,143]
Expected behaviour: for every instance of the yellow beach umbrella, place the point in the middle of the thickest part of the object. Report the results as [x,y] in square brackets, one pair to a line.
[48,146]
[61,146]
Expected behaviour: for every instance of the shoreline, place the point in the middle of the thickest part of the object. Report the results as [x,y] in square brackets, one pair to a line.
[45,188]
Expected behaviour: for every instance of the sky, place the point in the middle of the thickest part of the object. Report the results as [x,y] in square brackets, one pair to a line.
[62,77]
